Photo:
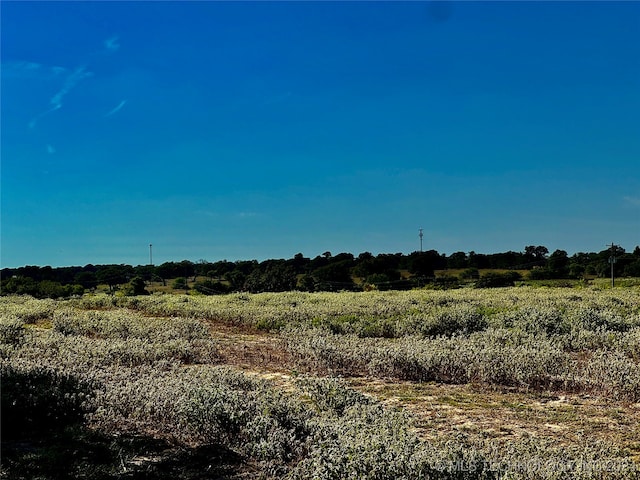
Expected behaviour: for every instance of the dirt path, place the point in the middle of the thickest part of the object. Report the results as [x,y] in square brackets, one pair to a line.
[442,410]
[252,351]
[504,416]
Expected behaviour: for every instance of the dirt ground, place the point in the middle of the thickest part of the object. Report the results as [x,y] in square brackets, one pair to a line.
[501,415]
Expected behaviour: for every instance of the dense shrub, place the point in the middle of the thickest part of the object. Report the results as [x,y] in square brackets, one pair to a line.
[135,287]
[12,331]
[39,289]
[180,283]
[209,287]
[37,400]
[493,280]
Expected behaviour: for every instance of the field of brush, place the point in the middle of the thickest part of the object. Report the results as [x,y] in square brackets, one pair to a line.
[517,383]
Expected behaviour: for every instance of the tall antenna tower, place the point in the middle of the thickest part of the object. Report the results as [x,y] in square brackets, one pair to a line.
[421,234]
[612,260]
[150,254]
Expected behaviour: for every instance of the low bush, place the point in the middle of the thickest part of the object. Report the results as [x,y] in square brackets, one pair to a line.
[41,400]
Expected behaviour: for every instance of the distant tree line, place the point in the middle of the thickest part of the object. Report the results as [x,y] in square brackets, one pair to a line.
[325,272]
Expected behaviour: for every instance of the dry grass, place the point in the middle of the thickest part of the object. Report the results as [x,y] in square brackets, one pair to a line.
[488,416]
[505,416]
[442,410]
[251,351]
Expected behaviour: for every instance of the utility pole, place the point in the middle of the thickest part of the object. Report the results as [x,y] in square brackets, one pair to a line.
[150,254]
[612,260]
[421,235]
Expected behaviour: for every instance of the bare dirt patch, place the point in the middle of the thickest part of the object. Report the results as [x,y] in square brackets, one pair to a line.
[443,410]
[250,349]
[505,416]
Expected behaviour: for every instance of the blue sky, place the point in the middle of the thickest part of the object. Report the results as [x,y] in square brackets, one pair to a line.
[244,130]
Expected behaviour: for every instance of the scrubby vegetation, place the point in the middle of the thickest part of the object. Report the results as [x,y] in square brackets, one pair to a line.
[159,385]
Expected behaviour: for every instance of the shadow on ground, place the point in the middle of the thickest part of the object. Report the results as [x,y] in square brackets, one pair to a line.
[76,453]
[44,437]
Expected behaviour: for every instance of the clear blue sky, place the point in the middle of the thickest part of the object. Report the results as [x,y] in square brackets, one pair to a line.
[259,130]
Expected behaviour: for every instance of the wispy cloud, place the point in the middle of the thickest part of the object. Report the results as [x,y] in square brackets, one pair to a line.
[111,44]
[70,82]
[70,78]
[50,149]
[633,201]
[30,70]
[34,121]
[116,109]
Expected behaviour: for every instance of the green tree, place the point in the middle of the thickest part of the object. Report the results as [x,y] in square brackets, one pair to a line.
[457,260]
[494,280]
[187,268]
[220,269]
[470,274]
[210,287]
[165,271]
[306,283]
[271,276]
[334,276]
[51,289]
[113,276]
[299,263]
[87,279]
[632,269]
[180,283]
[77,290]
[135,287]
[423,264]
[478,260]
[146,272]
[246,266]
[576,270]
[202,267]
[236,279]
[558,264]
[536,253]
[20,285]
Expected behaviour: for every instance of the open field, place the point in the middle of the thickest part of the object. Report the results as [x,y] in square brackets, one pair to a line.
[518,383]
